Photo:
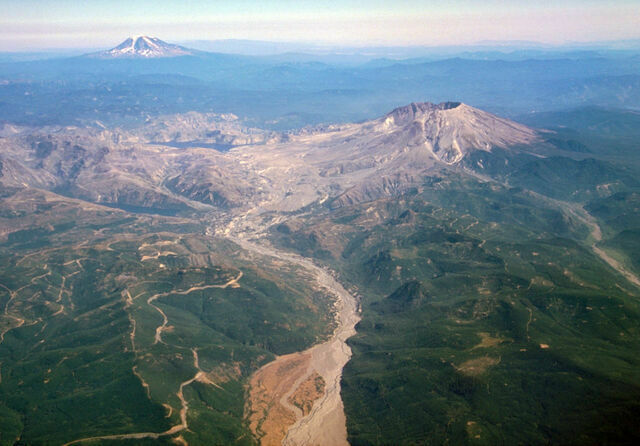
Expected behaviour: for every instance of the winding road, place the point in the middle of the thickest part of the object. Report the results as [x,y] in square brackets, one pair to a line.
[200,375]
[165,320]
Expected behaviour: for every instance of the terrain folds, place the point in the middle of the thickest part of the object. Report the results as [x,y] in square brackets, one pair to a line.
[481,310]
[426,277]
[142,320]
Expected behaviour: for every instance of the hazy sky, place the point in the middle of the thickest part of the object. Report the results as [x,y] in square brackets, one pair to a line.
[31,24]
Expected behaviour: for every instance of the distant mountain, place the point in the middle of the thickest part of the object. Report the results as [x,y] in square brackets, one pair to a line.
[349,163]
[287,92]
[170,164]
[143,47]
[450,130]
[354,163]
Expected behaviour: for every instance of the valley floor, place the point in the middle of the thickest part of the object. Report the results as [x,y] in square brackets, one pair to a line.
[326,422]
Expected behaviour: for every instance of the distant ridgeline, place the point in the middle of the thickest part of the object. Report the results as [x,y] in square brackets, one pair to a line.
[145,76]
[495,262]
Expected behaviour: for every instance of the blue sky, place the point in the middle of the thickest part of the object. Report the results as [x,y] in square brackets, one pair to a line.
[31,24]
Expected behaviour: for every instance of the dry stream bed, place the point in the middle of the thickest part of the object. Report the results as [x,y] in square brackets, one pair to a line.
[310,378]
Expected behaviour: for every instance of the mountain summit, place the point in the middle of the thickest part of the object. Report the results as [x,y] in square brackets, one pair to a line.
[360,162]
[452,129]
[143,47]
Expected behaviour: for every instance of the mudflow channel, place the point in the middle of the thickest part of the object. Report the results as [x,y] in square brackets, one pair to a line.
[326,423]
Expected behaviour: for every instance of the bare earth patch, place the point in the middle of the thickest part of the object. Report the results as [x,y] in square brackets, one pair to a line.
[541,281]
[473,430]
[488,341]
[269,419]
[477,366]
[326,422]
[310,390]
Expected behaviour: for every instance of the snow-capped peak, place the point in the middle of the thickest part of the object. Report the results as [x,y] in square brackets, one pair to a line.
[144,47]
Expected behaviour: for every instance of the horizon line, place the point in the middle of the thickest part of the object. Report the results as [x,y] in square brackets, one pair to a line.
[515,44]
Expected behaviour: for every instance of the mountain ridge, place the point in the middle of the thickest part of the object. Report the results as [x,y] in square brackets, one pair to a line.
[167,163]
[143,47]
[451,130]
